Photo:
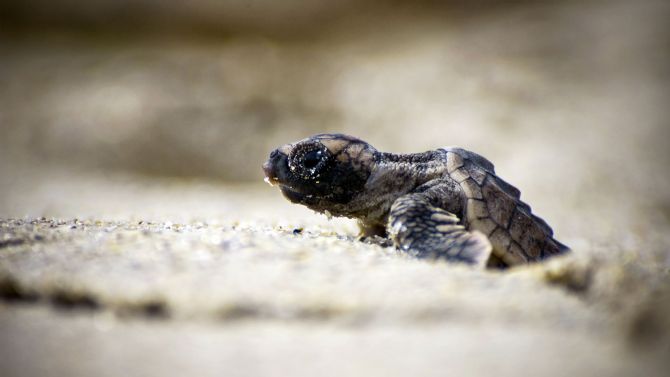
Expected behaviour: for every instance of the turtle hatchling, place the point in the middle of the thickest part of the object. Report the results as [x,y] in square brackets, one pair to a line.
[446,203]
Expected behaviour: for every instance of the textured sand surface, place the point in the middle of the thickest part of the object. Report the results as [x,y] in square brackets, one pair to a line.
[197,288]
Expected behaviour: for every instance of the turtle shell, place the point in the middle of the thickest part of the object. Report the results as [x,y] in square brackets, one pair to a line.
[493,207]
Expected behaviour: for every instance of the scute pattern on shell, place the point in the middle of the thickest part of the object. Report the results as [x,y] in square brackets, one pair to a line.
[494,208]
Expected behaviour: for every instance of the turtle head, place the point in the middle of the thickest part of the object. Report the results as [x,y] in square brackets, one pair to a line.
[323,172]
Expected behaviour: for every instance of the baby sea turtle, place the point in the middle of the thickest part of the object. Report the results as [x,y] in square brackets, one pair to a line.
[445,203]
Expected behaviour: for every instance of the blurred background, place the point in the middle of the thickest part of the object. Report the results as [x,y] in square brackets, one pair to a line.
[205,89]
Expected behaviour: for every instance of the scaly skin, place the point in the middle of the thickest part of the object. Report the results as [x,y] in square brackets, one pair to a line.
[446,203]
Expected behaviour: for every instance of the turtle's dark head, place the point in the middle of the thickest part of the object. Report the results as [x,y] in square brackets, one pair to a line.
[323,172]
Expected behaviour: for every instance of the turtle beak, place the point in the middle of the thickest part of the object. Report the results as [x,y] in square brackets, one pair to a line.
[270,176]
[275,167]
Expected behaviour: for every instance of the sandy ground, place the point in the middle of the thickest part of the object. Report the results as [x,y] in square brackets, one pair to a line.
[171,278]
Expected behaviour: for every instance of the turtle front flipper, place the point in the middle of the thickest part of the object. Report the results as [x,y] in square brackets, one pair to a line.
[423,230]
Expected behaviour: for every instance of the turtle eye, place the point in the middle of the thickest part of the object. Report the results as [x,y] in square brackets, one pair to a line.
[312,158]
[308,160]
